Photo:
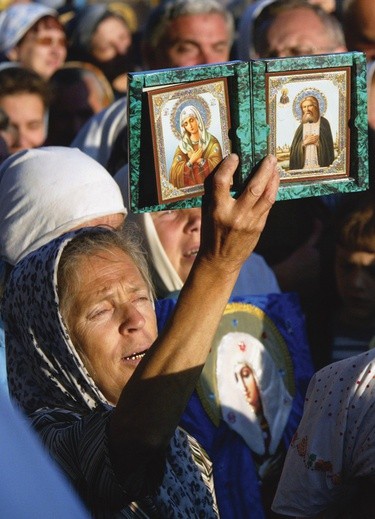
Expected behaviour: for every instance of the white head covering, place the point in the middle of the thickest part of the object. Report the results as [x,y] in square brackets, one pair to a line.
[48,191]
[245,39]
[98,134]
[164,275]
[17,19]
[204,137]
[235,350]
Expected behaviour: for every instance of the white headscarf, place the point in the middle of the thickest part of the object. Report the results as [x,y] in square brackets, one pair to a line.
[204,137]
[47,191]
[98,134]
[164,275]
[276,401]
[17,19]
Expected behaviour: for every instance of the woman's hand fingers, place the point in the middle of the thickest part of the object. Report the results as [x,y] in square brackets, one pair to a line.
[231,228]
[264,184]
[257,197]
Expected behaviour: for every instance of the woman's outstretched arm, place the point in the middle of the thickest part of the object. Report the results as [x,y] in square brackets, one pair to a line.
[153,400]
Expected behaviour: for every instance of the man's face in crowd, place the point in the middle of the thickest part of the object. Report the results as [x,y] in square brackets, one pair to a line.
[299,32]
[195,40]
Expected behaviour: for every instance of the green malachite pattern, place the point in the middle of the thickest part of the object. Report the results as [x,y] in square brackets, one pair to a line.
[249,134]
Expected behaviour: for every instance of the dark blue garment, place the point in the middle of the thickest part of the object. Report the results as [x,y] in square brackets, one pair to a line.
[3,371]
[237,484]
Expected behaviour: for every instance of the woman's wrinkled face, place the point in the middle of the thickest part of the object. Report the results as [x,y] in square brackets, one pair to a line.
[179,233]
[111,319]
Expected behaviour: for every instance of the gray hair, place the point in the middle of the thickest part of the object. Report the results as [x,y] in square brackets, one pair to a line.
[157,24]
[92,241]
[268,14]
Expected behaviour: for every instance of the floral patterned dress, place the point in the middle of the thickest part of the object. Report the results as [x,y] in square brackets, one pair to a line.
[333,451]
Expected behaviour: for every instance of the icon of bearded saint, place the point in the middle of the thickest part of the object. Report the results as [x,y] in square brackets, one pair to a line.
[312,145]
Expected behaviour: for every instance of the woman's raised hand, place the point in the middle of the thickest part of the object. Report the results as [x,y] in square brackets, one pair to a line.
[153,400]
[231,227]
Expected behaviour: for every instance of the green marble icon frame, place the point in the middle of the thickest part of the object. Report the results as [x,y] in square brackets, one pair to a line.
[253,114]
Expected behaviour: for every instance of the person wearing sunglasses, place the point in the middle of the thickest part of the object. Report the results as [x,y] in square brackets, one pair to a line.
[32,35]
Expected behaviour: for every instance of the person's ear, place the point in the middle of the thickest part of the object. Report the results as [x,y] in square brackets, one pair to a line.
[13,54]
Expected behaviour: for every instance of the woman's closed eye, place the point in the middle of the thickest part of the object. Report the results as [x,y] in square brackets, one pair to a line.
[99,311]
[141,299]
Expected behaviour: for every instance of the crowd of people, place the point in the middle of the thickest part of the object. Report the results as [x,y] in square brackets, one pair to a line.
[212,361]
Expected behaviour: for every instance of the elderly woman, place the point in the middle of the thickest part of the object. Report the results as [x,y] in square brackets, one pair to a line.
[45,192]
[198,152]
[80,324]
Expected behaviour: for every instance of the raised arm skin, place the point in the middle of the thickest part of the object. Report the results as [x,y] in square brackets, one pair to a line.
[153,400]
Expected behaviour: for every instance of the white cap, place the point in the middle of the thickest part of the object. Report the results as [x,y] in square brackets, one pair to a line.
[45,192]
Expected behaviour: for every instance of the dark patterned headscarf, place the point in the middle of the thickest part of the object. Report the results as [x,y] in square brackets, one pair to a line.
[44,369]
[49,381]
